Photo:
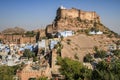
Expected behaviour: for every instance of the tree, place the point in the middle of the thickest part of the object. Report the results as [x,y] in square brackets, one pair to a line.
[37,36]
[100,54]
[118,44]
[7,72]
[28,53]
[107,71]
[103,65]
[73,70]
[116,53]
[30,33]
[88,58]
[95,49]
[59,47]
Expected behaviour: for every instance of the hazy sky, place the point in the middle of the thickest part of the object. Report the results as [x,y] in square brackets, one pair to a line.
[33,14]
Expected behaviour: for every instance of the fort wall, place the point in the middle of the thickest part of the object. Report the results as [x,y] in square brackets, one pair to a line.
[76,13]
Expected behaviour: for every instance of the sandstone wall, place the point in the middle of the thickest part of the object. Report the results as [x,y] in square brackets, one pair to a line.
[27,40]
[86,15]
[89,15]
[17,39]
[27,73]
[74,13]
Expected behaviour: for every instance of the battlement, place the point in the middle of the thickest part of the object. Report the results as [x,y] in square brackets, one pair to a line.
[62,12]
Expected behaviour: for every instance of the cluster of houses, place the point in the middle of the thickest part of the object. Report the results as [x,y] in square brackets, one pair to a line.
[11,54]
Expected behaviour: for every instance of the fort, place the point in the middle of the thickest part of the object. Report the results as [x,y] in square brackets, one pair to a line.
[73,19]
[62,12]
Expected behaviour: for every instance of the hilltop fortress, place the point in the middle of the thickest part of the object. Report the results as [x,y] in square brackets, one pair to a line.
[74,19]
[62,12]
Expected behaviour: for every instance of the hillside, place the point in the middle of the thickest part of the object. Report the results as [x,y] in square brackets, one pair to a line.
[82,44]
[15,30]
[78,24]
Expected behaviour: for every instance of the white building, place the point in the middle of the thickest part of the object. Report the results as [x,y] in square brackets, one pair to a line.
[93,32]
[41,44]
[10,62]
[65,33]
[53,43]
[99,32]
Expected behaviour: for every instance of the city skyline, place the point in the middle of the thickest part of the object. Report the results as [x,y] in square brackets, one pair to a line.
[34,14]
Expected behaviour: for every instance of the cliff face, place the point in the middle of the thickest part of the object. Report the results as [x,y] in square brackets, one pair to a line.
[74,19]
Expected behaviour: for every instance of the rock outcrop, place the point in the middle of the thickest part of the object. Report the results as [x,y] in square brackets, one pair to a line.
[74,19]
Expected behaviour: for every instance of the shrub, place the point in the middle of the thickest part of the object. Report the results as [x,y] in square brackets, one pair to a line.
[88,58]
[68,41]
[100,54]
[76,57]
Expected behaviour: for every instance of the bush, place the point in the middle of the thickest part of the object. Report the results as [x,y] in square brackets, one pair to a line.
[30,34]
[78,18]
[88,58]
[100,54]
[116,53]
[76,57]
[68,41]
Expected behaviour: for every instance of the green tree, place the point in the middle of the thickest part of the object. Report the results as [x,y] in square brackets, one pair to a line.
[28,53]
[100,54]
[37,36]
[30,33]
[107,71]
[116,53]
[88,58]
[73,70]
[95,49]
[118,44]
[8,72]
[59,47]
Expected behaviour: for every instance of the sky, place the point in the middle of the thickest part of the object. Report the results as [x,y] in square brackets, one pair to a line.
[34,14]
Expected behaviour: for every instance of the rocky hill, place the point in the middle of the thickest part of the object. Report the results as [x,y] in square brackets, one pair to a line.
[81,44]
[15,30]
[75,19]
